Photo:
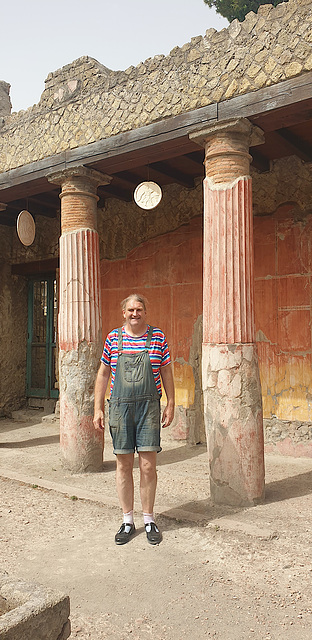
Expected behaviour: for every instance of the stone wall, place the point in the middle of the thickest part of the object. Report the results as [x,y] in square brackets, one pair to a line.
[13,329]
[45,245]
[177,207]
[84,102]
[13,306]
[5,102]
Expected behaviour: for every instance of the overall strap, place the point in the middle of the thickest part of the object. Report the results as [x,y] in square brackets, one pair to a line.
[119,340]
[149,337]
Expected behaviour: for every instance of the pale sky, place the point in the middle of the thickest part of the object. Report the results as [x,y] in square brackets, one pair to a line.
[38,37]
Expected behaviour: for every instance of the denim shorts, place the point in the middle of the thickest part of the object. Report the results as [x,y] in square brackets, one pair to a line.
[134,424]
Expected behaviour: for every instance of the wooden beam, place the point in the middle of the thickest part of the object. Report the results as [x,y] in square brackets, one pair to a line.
[128,177]
[296,145]
[263,101]
[284,146]
[140,157]
[196,158]
[113,191]
[177,176]
[284,117]
[35,207]
[38,267]
[25,189]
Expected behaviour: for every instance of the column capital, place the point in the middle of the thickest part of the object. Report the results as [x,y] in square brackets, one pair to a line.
[78,196]
[254,135]
[96,178]
[226,146]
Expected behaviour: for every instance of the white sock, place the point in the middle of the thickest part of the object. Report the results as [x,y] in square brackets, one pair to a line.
[128,517]
[148,518]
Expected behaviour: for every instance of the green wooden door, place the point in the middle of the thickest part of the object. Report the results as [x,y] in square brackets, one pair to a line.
[41,344]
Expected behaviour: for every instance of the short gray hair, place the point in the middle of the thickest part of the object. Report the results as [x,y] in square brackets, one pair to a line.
[136,296]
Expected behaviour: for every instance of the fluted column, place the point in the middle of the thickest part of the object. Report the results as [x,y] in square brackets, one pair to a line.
[231,383]
[80,336]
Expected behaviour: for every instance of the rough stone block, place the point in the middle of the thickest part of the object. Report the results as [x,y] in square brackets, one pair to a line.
[5,102]
[31,612]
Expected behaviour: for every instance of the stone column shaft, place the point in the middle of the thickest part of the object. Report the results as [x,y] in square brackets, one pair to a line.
[80,336]
[228,265]
[231,383]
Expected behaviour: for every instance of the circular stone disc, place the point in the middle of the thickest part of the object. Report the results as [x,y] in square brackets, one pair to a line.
[148,195]
[26,228]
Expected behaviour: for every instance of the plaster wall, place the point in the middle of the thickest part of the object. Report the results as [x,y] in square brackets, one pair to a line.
[13,307]
[156,268]
[13,330]
[283,299]
[161,256]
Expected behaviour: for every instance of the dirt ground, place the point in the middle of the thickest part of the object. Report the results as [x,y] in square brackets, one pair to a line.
[219,572]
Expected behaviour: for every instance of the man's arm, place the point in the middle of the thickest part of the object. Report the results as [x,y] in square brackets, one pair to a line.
[167,379]
[101,382]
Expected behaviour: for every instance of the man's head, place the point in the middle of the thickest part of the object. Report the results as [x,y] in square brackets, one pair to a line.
[134,296]
[134,313]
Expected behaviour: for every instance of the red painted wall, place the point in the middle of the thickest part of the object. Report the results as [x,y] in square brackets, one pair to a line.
[168,271]
[283,270]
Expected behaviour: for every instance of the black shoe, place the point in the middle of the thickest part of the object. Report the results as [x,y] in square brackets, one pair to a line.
[124,534]
[152,533]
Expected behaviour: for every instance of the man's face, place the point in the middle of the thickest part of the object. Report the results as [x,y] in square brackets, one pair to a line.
[135,315]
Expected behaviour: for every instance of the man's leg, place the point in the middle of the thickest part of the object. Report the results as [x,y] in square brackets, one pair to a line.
[124,480]
[148,479]
[148,484]
[125,491]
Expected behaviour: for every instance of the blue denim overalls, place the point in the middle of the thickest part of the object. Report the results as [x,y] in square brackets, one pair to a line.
[134,405]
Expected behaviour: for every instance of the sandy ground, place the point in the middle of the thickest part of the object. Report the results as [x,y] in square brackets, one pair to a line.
[219,572]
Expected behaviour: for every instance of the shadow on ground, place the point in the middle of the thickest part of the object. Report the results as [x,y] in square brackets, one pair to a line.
[292,487]
[31,442]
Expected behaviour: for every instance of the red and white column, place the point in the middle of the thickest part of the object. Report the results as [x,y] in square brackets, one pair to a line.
[230,372]
[80,335]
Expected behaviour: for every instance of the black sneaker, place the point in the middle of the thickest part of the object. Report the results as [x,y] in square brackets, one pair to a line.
[124,534]
[152,533]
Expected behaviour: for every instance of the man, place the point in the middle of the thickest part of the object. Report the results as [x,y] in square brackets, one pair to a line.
[137,357]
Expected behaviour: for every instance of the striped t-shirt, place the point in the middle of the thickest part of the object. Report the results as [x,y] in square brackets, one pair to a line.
[158,351]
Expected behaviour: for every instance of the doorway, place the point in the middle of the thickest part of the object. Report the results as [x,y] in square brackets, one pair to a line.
[42,378]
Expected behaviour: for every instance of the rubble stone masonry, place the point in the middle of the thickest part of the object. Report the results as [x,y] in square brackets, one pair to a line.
[84,101]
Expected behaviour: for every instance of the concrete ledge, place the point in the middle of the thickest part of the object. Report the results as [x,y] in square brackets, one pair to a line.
[234,525]
[31,612]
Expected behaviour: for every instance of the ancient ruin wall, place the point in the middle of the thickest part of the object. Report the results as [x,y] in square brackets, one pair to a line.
[13,329]
[84,102]
[13,306]
[283,222]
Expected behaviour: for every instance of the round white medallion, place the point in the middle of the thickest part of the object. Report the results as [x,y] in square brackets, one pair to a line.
[148,195]
[26,228]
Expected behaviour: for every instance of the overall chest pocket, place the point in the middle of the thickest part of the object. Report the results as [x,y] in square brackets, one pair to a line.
[134,367]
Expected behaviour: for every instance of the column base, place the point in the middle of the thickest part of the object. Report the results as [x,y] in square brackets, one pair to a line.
[81,445]
[233,423]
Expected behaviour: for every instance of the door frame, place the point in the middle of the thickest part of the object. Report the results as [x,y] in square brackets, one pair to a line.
[50,342]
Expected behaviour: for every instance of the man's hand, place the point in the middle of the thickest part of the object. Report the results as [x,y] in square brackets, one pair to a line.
[167,415]
[167,379]
[99,395]
[98,420]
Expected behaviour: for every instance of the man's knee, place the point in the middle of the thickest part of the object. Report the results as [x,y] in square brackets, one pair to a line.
[125,463]
[147,461]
